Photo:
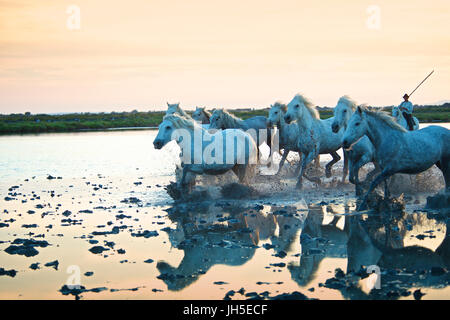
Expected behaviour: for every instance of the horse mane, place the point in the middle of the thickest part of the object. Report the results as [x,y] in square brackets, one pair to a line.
[280,105]
[182,112]
[309,106]
[385,117]
[229,120]
[180,122]
[206,113]
[348,101]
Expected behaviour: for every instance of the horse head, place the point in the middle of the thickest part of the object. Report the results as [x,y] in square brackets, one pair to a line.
[173,127]
[216,119]
[356,128]
[173,108]
[276,113]
[295,109]
[342,113]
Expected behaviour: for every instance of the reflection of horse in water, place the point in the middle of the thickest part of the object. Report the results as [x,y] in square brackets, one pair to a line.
[323,235]
[212,235]
[384,243]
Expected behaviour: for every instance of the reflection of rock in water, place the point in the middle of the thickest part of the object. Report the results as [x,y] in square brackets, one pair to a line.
[430,180]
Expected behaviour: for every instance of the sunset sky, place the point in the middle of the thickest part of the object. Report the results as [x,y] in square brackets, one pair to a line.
[138,54]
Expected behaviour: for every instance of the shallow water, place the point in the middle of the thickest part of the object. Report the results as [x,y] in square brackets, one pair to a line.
[284,243]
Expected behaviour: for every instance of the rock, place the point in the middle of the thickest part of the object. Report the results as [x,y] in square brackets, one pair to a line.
[418,294]
[290,296]
[98,249]
[10,273]
[34,266]
[149,261]
[66,213]
[88,273]
[53,264]
[145,234]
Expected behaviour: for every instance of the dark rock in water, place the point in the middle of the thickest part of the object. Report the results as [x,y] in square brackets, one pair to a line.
[280,254]
[149,261]
[339,274]
[238,191]
[219,283]
[4,225]
[10,273]
[22,250]
[66,213]
[28,226]
[145,234]
[98,249]
[335,283]
[131,200]
[290,296]
[418,294]
[34,266]
[439,201]
[53,264]
[88,273]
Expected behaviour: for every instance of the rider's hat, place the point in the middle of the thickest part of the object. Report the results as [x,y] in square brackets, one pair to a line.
[405,96]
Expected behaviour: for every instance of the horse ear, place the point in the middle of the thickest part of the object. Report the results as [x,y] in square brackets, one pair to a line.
[168,104]
[360,110]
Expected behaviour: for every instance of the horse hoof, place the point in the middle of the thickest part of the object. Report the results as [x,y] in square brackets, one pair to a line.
[328,173]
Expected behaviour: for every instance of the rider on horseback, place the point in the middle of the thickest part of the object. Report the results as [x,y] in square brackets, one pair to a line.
[406,107]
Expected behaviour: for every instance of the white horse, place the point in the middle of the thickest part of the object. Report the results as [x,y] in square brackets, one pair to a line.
[208,153]
[174,108]
[201,115]
[314,135]
[398,115]
[361,152]
[398,150]
[222,119]
[288,134]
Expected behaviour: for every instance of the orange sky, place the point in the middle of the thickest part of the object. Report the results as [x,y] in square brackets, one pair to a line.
[138,54]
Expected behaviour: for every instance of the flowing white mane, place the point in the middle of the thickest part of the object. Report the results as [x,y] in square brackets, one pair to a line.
[348,101]
[179,110]
[205,113]
[228,120]
[385,117]
[309,105]
[180,122]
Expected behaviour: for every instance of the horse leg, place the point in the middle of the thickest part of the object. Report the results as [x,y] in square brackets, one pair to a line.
[306,159]
[336,158]
[345,170]
[283,159]
[317,162]
[269,143]
[381,177]
[297,170]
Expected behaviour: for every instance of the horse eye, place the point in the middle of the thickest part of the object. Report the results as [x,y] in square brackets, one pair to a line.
[276,112]
[345,111]
[357,124]
[168,127]
[297,106]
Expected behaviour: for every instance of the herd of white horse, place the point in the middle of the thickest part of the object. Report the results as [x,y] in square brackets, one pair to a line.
[364,134]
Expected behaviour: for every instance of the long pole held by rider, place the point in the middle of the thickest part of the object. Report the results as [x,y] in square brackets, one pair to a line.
[406,106]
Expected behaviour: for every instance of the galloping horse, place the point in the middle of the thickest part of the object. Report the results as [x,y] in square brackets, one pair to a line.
[398,115]
[398,150]
[288,134]
[314,135]
[362,151]
[201,115]
[222,119]
[206,153]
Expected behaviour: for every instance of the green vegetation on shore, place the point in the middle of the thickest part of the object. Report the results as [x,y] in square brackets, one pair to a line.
[38,123]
